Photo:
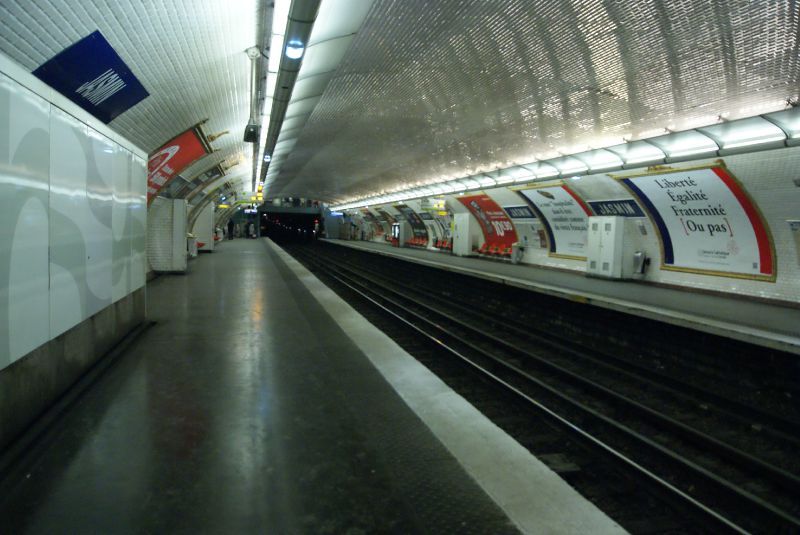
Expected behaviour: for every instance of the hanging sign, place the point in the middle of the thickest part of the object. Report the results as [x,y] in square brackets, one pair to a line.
[173,157]
[706,222]
[519,212]
[417,226]
[92,75]
[617,207]
[565,217]
[495,224]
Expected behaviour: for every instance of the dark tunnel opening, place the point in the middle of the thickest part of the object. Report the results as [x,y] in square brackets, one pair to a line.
[290,228]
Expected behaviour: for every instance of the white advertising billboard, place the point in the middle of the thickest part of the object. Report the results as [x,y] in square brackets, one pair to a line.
[565,217]
[706,222]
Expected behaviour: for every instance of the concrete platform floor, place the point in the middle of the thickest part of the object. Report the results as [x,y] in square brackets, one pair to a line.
[248,409]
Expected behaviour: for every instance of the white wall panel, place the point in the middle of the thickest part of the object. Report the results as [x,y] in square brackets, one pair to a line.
[99,152]
[69,195]
[121,224]
[24,166]
[28,279]
[204,228]
[139,219]
[69,211]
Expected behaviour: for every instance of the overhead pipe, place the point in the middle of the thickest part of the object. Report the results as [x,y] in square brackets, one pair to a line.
[258,77]
[301,19]
[251,131]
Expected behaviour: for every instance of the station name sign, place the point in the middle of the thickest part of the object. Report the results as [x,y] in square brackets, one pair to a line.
[617,207]
[92,75]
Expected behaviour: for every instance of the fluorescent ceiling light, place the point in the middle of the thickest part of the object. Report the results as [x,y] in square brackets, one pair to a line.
[744,132]
[569,165]
[686,143]
[788,120]
[294,49]
[275,46]
[643,159]
[756,141]
[599,159]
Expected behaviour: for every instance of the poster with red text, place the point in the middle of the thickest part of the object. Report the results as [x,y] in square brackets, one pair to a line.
[495,224]
[173,157]
[706,222]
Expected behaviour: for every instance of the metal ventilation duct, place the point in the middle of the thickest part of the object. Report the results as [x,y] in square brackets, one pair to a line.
[298,29]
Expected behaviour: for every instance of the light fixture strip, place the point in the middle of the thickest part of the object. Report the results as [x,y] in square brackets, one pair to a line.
[280,17]
[450,185]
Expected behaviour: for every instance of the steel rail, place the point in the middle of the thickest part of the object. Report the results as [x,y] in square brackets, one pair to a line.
[708,476]
[732,408]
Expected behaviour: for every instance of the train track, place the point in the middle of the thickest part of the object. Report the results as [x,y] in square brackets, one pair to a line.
[684,443]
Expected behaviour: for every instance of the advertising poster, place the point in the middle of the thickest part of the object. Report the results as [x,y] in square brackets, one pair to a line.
[417,226]
[495,224]
[706,222]
[384,216]
[373,221]
[173,157]
[202,180]
[565,217]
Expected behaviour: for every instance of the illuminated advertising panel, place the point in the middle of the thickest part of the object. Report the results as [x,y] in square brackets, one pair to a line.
[494,222]
[706,222]
[565,217]
[173,157]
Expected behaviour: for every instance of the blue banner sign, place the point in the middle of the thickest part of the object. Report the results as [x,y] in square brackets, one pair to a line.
[93,76]
[620,207]
[519,212]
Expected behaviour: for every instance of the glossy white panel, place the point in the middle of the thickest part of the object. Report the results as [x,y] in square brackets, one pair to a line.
[99,188]
[24,165]
[28,276]
[139,219]
[69,211]
[121,224]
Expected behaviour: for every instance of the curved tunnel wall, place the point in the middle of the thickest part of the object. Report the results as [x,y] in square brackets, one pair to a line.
[770,305]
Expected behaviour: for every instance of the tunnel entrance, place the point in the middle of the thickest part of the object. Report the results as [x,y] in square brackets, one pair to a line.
[290,227]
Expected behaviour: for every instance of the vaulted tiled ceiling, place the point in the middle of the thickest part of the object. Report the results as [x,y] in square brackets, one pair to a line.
[435,89]
[189,55]
[446,88]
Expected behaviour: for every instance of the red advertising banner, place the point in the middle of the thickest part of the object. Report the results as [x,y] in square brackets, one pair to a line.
[173,157]
[495,224]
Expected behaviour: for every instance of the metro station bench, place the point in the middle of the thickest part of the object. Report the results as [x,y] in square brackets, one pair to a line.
[494,251]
